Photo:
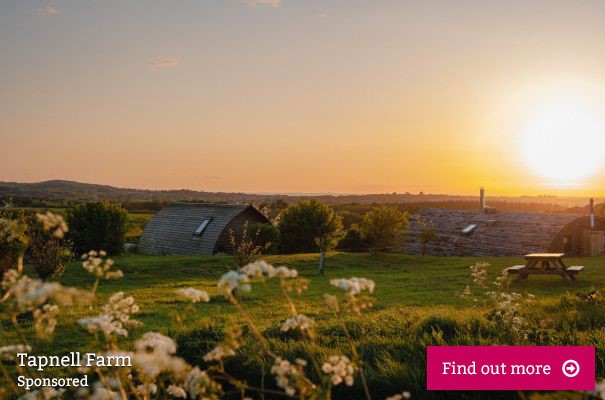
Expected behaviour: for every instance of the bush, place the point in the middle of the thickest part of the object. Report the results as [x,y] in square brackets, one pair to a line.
[48,253]
[354,240]
[268,236]
[98,225]
[383,227]
[302,224]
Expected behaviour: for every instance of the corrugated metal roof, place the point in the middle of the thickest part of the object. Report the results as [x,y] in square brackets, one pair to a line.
[171,230]
[496,234]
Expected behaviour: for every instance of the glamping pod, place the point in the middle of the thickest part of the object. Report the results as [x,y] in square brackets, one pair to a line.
[196,228]
[483,233]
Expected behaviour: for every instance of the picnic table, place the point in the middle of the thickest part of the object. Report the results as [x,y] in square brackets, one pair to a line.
[545,264]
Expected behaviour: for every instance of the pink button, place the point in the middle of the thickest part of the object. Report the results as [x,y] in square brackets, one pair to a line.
[510,368]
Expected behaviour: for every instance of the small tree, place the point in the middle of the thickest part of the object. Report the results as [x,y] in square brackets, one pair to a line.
[427,234]
[309,226]
[267,236]
[98,225]
[247,248]
[354,240]
[383,227]
[48,253]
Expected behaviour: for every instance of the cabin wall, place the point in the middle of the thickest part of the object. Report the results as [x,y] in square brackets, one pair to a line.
[236,225]
[577,239]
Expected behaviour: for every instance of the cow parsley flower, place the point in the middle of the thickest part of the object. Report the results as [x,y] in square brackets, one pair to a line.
[154,354]
[200,385]
[300,322]
[479,274]
[45,393]
[285,272]
[54,222]
[193,295]
[101,267]
[291,377]
[400,396]
[228,346]
[9,352]
[340,369]
[147,389]
[176,391]
[232,280]
[354,285]
[258,269]
[45,320]
[26,294]
[115,318]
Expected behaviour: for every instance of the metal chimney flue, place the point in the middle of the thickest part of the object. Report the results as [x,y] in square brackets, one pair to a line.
[482,198]
[592,214]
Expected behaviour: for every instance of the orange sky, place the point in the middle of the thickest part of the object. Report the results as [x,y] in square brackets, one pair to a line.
[293,96]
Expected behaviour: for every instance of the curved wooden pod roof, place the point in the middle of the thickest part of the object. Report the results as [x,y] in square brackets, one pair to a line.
[496,234]
[171,230]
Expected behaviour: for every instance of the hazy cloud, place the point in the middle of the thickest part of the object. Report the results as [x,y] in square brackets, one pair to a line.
[274,3]
[50,10]
[169,62]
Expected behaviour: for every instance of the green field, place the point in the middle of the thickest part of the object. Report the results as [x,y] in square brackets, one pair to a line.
[417,304]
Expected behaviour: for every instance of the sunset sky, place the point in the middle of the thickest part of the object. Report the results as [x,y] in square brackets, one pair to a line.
[349,96]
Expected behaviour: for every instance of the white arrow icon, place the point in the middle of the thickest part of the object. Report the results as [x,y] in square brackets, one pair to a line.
[571,368]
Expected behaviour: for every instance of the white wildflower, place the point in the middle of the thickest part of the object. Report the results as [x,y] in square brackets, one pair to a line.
[154,354]
[45,393]
[115,318]
[291,377]
[193,295]
[99,266]
[199,385]
[354,285]
[400,396]
[176,391]
[45,320]
[54,222]
[26,294]
[300,321]
[284,272]
[9,352]
[228,346]
[340,369]
[479,274]
[232,280]
[258,269]
[147,389]
[103,323]
[155,342]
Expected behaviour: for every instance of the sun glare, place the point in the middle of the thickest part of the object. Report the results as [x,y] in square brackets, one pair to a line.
[563,142]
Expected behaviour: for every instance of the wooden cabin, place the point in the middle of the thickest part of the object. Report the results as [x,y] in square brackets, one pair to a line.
[195,228]
[492,233]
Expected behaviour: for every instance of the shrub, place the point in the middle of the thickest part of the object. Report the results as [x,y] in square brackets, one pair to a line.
[354,240]
[310,226]
[246,248]
[299,226]
[98,225]
[268,236]
[48,253]
[383,227]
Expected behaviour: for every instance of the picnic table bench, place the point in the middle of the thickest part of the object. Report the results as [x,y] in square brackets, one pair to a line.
[545,264]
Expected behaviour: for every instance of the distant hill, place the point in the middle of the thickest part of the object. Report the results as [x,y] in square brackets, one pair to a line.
[70,191]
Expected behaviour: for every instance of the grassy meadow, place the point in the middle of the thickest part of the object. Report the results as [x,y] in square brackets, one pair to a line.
[418,303]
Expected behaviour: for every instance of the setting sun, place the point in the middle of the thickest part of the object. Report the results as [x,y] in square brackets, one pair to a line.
[561,142]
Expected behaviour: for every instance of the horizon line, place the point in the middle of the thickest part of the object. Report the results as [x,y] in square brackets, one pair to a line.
[310,194]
